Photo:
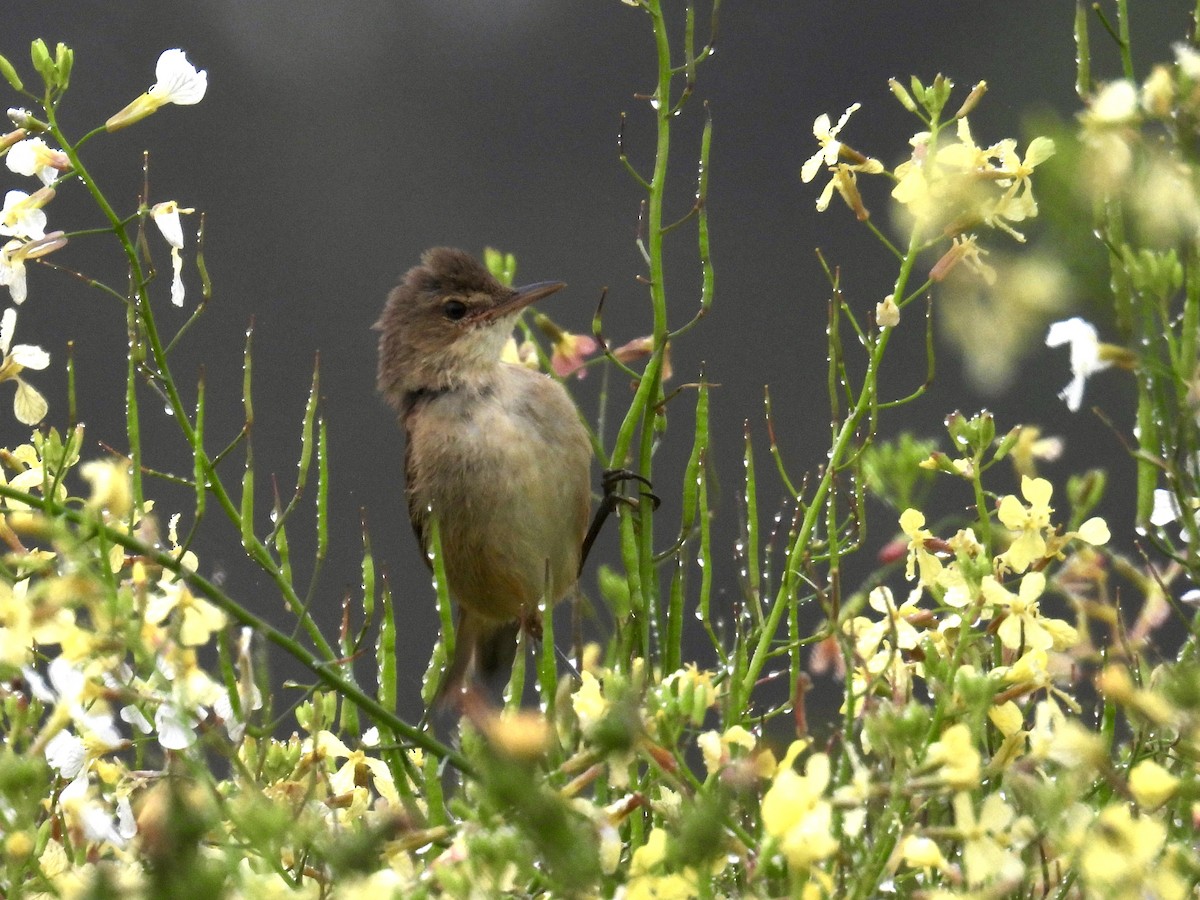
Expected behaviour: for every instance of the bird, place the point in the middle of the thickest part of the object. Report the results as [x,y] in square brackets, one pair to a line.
[495,451]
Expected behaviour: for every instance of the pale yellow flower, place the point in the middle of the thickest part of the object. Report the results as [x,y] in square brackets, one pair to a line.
[912,523]
[1031,522]
[921,852]
[29,406]
[955,756]
[991,839]
[1024,625]
[589,703]
[796,813]
[198,618]
[1151,784]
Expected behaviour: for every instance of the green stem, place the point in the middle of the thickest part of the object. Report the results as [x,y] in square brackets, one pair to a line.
[642,412]
[842,450]
[255,549]
[321,669]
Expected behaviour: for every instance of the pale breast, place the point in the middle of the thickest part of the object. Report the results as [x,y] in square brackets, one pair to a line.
[506,471]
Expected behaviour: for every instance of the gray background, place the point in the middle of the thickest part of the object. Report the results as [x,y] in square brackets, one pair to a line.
[339,140]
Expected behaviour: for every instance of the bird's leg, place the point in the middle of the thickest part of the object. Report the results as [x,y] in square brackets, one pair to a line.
[610,479]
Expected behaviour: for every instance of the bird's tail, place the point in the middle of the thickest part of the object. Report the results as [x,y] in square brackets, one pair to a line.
[484,651]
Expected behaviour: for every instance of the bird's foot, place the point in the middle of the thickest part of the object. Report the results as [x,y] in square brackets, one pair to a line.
[611,479]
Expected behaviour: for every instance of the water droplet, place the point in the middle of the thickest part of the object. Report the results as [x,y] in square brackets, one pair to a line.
[167,409]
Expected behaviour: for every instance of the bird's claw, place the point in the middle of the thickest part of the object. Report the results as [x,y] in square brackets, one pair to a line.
[610,479]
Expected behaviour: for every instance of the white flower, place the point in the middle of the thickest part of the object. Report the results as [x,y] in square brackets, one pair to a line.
[1166,509]
[830,145]
[28,405]
[69,689]
[94,818]
[174,725]
[22,215]
[13,256]
[1116,103]
[135,717]
[1188,60]
[66,753]
[1085,355]
[166,217]
[34,157]
[179,82]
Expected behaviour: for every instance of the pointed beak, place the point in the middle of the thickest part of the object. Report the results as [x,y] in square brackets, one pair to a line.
[519,299]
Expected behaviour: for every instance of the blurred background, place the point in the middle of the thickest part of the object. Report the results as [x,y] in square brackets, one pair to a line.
[337,141]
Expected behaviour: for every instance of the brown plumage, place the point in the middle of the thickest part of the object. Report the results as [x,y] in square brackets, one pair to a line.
[495,451]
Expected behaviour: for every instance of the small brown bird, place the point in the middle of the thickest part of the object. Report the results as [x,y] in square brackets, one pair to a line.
[495,451]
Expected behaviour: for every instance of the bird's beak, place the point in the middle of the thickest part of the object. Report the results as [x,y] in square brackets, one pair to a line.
[519,299]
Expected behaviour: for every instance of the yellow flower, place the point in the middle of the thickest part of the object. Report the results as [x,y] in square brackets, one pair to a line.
[1031,446]
[964,154]
[524,734]
[570,351]
[990,840]
[964,249]
[111,489]
[923,853]
[956,757]
[844,171]
[198,619]
[357,770]
[650,854]
[589,703]
[22,215]
[1120,856]
[795,813]
[912,523]
[1017,203]
[644,885]
[1030,522]
[716,747]
[1023,624]
[1064,741]
[1151,784]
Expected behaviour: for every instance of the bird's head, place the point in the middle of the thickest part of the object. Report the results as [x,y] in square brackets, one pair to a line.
[445,324]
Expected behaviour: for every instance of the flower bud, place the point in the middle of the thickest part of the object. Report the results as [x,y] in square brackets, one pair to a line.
[887,313]
[10,74]
[40,56]
[902,95]
[972,100]
[64,61]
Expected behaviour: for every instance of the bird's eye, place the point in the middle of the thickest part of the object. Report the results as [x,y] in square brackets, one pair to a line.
[454,310]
